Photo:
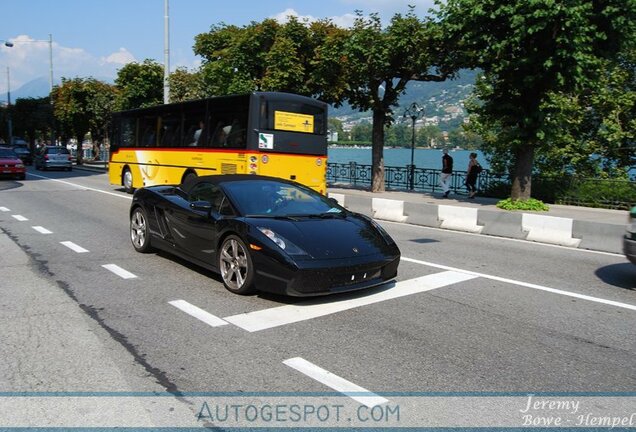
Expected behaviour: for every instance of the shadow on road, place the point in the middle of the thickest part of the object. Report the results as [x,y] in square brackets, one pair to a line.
[621,275]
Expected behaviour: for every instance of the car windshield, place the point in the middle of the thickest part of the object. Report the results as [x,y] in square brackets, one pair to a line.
[269,198]
[7,153]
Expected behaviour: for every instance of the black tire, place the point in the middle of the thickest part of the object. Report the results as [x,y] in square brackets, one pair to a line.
[127,180]
[189,177]
[235,266]
[139,233]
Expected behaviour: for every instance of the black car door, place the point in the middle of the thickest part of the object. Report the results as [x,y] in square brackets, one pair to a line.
[194,226]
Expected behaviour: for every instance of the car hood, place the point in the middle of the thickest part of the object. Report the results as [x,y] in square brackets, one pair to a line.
[6,160]
[330,238]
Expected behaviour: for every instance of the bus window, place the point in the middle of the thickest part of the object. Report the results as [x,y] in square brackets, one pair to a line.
[293,117]
[127,132]
[229,131]
[170,132]
[147,132]
[194,127]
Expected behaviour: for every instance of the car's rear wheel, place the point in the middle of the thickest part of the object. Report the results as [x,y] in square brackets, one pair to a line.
[235,265]
[127,180]
[139,233]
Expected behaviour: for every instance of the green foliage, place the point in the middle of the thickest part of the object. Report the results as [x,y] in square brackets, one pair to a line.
[529,204]
[531,51]
[32,118]
[140,85]
[84,105]
[185,85]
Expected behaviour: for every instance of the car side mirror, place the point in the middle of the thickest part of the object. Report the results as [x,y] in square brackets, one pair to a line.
[203,206]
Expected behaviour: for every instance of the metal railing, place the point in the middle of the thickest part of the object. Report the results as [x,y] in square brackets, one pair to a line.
[589,192]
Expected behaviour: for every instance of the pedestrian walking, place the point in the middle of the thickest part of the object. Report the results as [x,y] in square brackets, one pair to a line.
[447,172]
[471,178]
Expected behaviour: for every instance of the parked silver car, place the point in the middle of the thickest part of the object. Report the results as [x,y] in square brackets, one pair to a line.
[53,157]
[629,241]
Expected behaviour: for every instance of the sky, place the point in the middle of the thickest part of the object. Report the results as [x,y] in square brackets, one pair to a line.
[97,37]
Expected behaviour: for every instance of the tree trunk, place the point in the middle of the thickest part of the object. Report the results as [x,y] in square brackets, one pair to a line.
[522,181]
[377,151]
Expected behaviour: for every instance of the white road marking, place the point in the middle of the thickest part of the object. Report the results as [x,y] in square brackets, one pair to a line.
[84,187]
[20,218]
[42,230]
[278,316]
[124,274]
[198,313]
[335,382]
[525,284]
[72,246]
[4,209]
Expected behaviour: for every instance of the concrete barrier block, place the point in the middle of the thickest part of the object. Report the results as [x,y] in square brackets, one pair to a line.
[501,224]
[459,218]
[386,209]
[338,197]
[599,236]
[549,229]
[421,214]
[359,204]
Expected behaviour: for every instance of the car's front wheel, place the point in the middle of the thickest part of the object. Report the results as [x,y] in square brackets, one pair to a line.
[139,233]
[235,265]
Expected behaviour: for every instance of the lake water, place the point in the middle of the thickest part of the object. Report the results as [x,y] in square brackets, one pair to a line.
[401,157]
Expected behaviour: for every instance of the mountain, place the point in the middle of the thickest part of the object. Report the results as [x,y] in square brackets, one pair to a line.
[37,88]
[443,102]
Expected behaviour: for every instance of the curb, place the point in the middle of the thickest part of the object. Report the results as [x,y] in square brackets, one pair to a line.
[562,231]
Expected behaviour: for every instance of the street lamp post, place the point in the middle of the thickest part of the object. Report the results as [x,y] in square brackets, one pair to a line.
[414,111]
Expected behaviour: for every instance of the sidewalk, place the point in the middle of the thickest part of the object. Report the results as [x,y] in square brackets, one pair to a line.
[580,227]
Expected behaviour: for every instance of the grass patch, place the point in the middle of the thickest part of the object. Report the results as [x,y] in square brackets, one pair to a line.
[530,204]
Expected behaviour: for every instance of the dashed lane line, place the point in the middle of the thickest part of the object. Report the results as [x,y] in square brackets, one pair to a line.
[524,284]
[278,316]
[42,230]
[198,313]
[75,248]
[124,274]
[20,218]
[4,209]
[335,382]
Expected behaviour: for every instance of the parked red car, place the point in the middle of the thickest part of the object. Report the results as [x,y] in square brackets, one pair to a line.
[11,164]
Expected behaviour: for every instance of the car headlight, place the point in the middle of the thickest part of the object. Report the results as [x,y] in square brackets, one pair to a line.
[19,165]
[282,242]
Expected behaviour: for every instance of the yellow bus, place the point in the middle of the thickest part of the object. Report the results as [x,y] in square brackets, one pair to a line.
[267,133]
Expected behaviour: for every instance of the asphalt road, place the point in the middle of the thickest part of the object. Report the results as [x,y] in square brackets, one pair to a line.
[467,313]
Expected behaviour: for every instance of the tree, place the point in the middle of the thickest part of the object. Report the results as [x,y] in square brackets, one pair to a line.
[335,126]
[362,131]
[140,85]
[185,85]
[102,101]
[268,56]
[429,136]
[31,118]
[379,62]
[531,51]
[83,105]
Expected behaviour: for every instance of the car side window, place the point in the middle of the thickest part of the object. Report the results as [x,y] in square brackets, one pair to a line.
[212,194]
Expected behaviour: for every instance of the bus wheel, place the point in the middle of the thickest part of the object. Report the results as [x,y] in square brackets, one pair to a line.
[235,265]
[127,180]
[188,177]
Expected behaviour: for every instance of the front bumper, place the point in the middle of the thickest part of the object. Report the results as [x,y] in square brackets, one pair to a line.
[325,277]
